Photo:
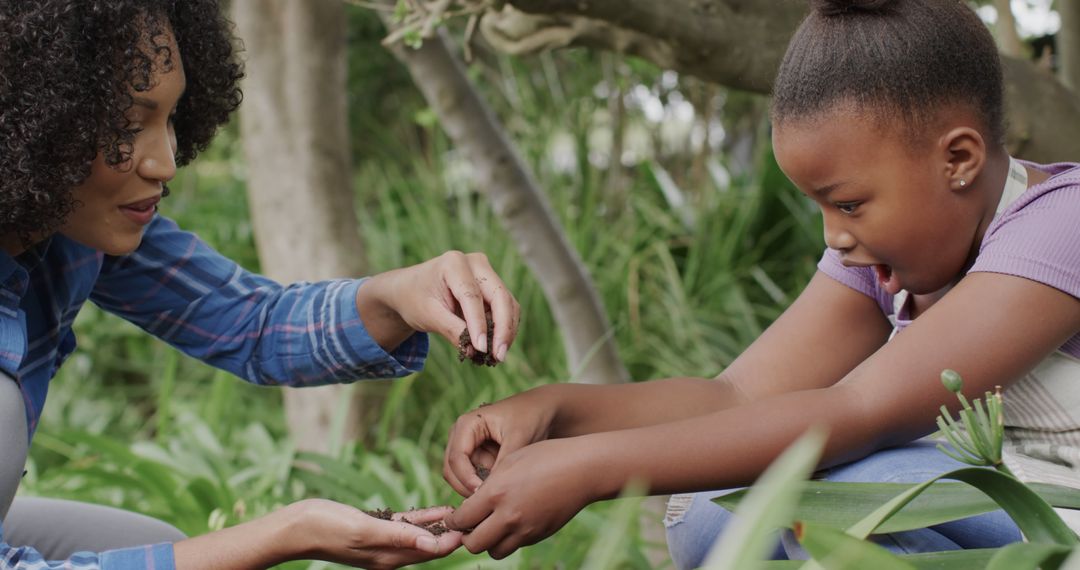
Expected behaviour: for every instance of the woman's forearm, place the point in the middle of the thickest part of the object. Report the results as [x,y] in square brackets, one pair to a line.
[584,409]
[254,545]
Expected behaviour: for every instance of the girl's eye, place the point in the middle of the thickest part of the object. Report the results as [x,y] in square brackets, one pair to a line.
[847,207]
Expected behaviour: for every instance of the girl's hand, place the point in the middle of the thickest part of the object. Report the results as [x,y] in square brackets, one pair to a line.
[483,437]
[444,295]
[535,491]
[345,535]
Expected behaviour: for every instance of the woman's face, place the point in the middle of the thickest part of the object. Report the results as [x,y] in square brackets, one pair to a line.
[885,204]
[114,204]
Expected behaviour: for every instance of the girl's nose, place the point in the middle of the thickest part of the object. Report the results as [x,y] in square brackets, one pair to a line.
[837,238]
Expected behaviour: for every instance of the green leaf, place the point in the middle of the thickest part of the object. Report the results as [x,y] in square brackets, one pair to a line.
[975,559]
[837,550]
[1029,556]
[1036,519]
[842,504]
[768,506]
[401,10]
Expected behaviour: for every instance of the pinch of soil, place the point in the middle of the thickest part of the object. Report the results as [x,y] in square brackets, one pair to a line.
[381,514]
[434,527]
[466,350]
[482,472]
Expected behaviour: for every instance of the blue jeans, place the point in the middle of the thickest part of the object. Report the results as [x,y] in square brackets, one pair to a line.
[694,522]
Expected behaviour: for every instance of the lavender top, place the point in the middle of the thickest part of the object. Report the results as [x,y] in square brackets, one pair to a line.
[1036,237]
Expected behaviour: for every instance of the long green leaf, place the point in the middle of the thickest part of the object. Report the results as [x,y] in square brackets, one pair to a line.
[1029,556]
[975,559]
[841,504]
[837,550]
[768,506]
[1036,519]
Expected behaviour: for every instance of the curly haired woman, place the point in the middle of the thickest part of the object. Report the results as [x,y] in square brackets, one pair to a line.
[100,102]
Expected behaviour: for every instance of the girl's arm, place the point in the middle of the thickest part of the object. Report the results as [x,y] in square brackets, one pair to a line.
[992,328]
[787,357]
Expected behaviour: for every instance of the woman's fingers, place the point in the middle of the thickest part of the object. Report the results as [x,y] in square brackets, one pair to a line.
[466,292]
[505,310]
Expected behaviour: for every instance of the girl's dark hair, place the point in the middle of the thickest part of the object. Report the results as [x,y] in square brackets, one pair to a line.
[901,60]
[67,69]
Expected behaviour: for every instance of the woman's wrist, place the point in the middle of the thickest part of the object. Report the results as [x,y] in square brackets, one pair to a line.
[260,543]
[382,320]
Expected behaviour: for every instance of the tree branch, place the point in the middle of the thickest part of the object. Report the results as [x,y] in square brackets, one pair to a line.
[739,43]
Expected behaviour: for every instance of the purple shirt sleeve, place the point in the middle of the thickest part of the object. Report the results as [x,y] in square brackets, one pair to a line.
[1038,240]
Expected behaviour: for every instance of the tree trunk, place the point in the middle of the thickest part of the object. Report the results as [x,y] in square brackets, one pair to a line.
[296,142]
[1068,44]
[739,43]
[1009,41]
[522,208]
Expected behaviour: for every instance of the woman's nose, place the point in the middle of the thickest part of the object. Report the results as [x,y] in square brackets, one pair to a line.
[159,159]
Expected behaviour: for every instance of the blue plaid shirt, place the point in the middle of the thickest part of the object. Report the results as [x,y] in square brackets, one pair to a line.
[177,288]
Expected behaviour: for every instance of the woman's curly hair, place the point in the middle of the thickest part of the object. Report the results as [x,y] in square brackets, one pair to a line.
[67,70]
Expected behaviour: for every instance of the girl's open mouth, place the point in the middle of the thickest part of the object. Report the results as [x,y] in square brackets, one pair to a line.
[887,278]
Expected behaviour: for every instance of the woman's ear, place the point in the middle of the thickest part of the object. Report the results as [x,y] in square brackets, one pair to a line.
[965,156]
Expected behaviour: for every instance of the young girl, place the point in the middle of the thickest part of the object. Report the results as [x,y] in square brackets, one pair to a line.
[888,114]
[99,102]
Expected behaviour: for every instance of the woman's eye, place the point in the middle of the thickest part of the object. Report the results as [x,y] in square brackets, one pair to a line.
[847,207]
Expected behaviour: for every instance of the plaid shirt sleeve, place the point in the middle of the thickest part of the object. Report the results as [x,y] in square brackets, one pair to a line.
[177,288]
[151,557]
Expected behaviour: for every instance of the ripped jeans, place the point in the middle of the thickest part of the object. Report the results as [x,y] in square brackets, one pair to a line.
[694,522]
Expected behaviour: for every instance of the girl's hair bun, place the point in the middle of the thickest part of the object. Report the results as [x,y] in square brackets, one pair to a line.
[838,7]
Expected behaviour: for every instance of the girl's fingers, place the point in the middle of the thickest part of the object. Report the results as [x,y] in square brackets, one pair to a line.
[449,475]
[458,469]
[468,518]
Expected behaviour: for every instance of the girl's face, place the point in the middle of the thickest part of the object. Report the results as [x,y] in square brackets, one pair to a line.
[114,204]
[885,203]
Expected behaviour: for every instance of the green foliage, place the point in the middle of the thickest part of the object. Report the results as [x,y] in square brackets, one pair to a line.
[767,507]
[835,541]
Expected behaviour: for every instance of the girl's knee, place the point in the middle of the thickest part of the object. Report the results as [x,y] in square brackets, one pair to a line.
[693,523]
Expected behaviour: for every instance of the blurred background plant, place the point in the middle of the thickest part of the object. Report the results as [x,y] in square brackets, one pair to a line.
[665,187]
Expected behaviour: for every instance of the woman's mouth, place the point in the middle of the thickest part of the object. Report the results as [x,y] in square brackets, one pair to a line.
[141,212]
[887,278]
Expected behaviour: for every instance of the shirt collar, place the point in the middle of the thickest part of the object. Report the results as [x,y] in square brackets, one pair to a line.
[14,270]
[8,266]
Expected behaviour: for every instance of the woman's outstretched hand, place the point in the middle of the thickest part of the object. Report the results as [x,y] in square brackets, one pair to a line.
[444,295]
[346,535]
[317,529]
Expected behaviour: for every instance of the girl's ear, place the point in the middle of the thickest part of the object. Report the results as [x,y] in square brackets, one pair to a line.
[965,155]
